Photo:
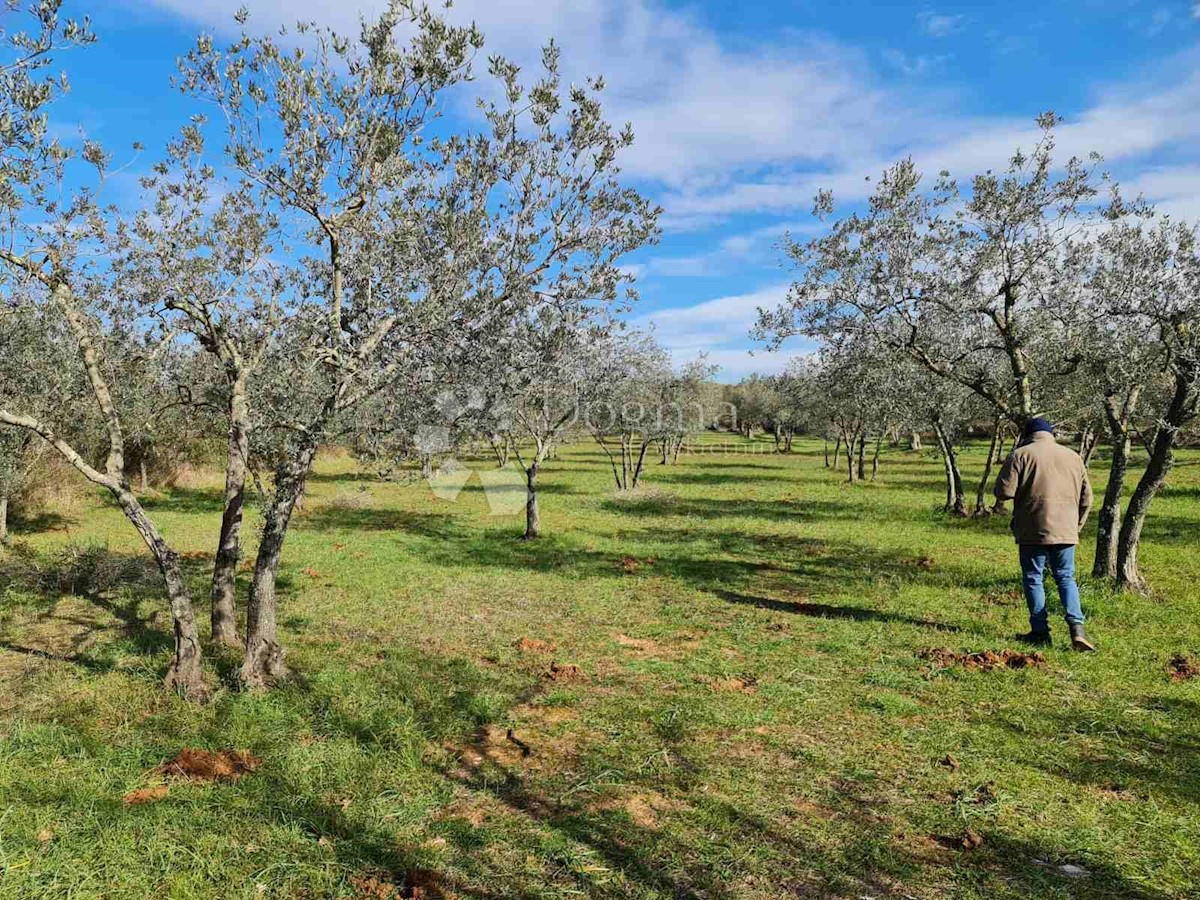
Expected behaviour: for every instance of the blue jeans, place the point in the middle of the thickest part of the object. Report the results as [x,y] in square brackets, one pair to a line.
[1061,560]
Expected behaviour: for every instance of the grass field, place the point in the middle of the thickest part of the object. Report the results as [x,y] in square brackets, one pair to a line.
[751,717]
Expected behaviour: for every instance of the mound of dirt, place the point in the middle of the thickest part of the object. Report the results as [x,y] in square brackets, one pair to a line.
[984,660]
[1182,667]
[205,765]
[533,646]
[564,672]
[374,887]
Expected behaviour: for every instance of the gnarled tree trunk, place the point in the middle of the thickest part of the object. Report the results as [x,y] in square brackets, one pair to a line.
[229,543]
[533,517]
[1181,410]
[956,503]
[263,664]
[1108,521]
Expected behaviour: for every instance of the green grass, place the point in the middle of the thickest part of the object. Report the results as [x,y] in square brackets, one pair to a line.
[754,721]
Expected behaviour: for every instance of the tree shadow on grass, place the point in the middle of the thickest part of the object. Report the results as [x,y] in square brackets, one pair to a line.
[1135,756]
[22,524]
[187,501]
[686,857]
[1160,529]
[336,517]
[113,587]
[832,611]
[798,510]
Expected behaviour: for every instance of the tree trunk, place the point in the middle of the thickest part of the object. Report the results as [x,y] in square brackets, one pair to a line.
[533,519]
[500,448]
[612,460]
[862,456]
[666,453]
[641,460]
[229,544]
[827,451]
[849,442]
[186,674]
[1152,480]
[1108,521]
[787,446]
[678,449]
[1181,409]
[982,508]
[263,664]
[4,538]
[875,458]
[914,441]
[955,501]
[145,478]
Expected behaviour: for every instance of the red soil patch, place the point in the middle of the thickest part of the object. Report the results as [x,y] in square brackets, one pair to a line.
[1182,667]
[926,563]
[564,672]
[312,573]
[984,660]
[533,645]
[204,765]
[971,840]
[145,795]
[419,884]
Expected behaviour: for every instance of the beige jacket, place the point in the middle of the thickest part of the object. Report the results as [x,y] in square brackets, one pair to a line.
[1049,484]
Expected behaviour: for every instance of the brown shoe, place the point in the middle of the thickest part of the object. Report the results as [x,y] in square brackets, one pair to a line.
[1079,639]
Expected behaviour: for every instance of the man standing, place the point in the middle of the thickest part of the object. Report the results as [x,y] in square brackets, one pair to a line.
[1052,497]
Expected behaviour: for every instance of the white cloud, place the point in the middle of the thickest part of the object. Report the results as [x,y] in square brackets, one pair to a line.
[718,327]
[700,107]
[939,24]
[732,253]
[1127,123]
[737,364]
[759,129]
[1173,189]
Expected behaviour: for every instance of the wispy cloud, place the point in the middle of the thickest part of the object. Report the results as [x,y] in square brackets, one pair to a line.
[937,24]
[718,328]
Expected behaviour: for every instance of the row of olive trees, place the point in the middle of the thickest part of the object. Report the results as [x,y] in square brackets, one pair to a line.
[1038,290]
[337,249]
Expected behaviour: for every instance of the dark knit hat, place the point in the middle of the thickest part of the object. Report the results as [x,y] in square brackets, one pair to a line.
[1033,426]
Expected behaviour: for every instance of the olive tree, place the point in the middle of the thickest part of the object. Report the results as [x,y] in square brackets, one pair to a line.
[958,281]
[1150,266]
[54,259]
[555,222]
[333,136]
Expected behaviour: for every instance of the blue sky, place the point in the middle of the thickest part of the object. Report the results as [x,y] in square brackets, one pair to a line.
[742,111]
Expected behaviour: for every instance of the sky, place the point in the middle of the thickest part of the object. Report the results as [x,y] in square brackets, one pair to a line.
[743,111]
